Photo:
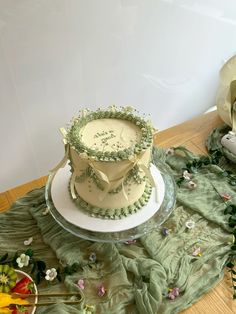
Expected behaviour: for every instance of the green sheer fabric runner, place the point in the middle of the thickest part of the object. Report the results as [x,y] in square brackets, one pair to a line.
[137,276]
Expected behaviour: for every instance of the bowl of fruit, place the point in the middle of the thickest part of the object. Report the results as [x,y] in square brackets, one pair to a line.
[18,292]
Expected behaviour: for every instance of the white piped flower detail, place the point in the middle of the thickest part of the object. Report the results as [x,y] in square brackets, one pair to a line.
[113,108]
[29,241]
[128,109]
[83,155]
[190,224]
[23,260]
[51,274]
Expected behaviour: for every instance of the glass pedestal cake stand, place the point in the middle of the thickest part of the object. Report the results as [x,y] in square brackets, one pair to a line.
[129,234]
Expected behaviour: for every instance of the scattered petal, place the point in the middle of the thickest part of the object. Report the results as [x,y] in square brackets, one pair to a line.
[197,252]
[51,274]
[173,293]
[29,241]
[23,260]
[93,257]
[130,242]
[190,224]
[225,196]
[101,291]
[81,284]
[192,185]
[186,175]
[165,231]
[89,309]
[45,212]
[170,151]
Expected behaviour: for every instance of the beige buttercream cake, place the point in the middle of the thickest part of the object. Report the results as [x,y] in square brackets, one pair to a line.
[109,152]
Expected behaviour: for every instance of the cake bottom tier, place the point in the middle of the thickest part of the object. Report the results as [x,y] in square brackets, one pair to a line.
[114,213]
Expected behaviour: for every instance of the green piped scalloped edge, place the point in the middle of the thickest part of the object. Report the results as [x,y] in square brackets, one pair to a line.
[118,213]
[74,139]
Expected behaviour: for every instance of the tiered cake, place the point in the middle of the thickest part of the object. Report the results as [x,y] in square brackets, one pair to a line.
[109,153]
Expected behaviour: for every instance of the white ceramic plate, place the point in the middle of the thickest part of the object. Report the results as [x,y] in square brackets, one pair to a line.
[67,208]
[21,274]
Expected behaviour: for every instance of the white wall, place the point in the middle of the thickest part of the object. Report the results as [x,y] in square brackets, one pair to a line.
[162,57]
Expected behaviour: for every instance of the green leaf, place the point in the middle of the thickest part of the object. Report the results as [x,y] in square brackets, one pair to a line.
[179,181]
[14,263]
[70,269]
[232,224]
[230,265]
[59,277]
[38,278]
[233,208]
[205,160]
[232,219]
[193,169]
[29,252]
[41,265]
[3,258]
[33,268]
[225,174]
[228,210]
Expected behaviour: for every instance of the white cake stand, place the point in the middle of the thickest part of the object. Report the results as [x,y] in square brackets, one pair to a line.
[76,221]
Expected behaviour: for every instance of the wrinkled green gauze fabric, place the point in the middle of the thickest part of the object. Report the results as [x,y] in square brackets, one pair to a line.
[213,142]
[136,276]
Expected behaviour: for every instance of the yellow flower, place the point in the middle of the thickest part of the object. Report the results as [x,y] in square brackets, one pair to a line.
[6,300]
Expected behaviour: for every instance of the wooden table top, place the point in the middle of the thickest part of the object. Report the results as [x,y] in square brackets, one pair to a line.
[191,134]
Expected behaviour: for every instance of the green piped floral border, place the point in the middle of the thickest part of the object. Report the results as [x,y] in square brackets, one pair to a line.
[114,214]
[73,136]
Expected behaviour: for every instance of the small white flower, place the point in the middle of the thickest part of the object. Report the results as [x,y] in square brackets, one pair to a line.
[190,224]
[51,274]
[29,241]
[170,151]
[186,175]
[23,260]
[197,252]
[192,185]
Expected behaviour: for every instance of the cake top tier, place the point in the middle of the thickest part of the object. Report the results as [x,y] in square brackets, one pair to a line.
[110,135]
